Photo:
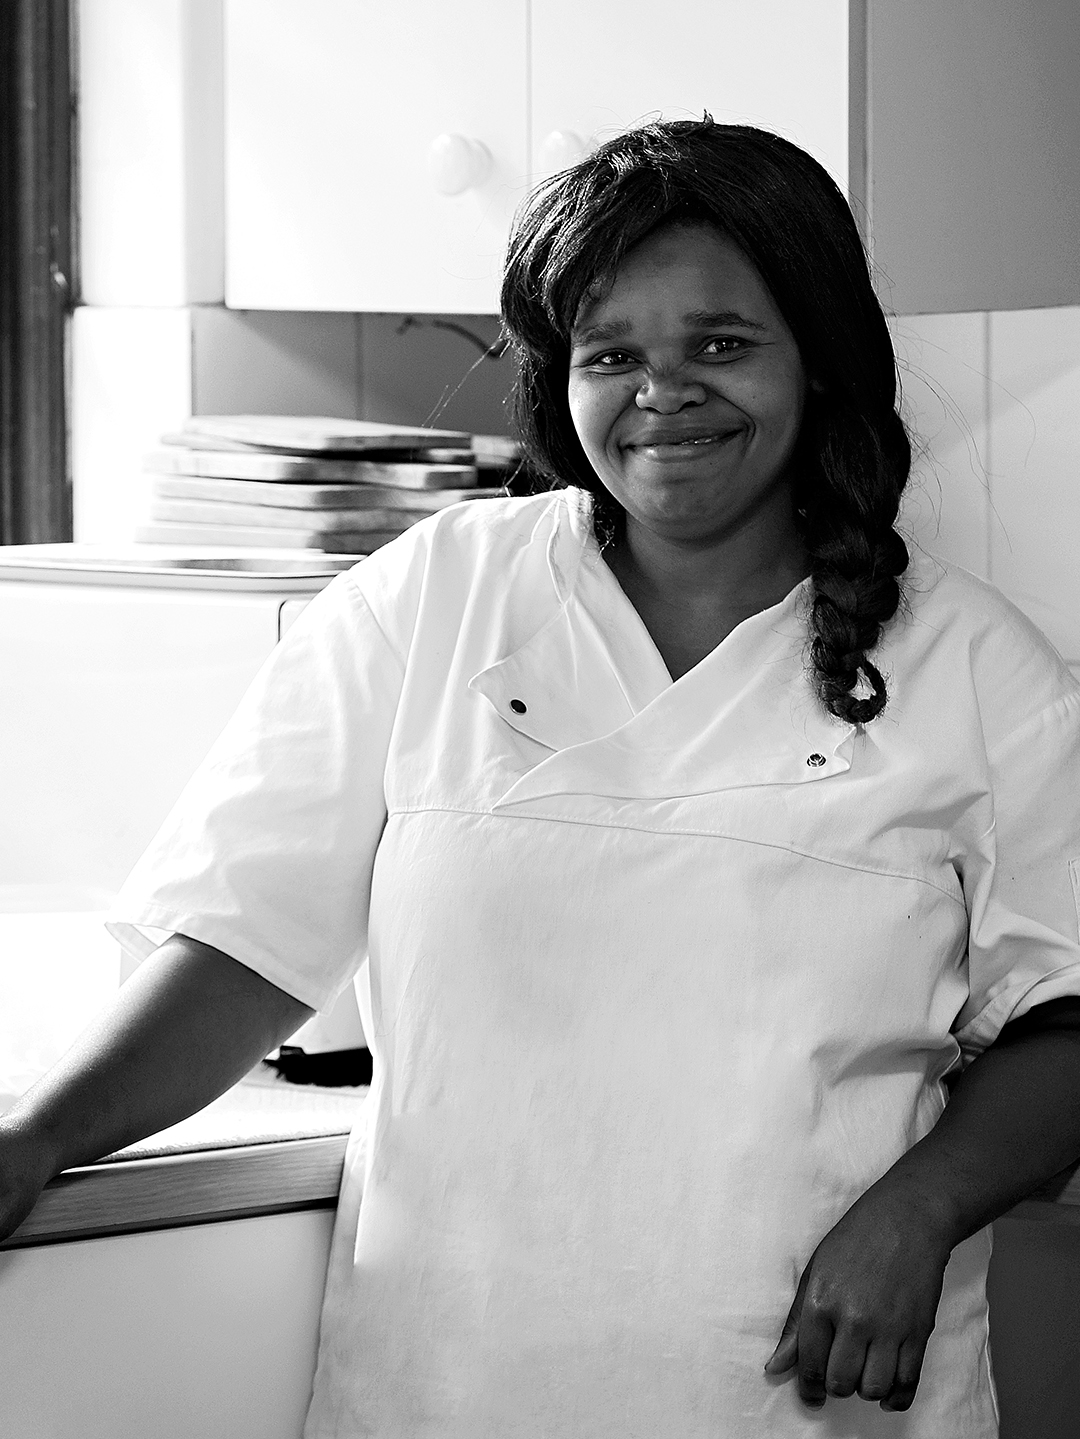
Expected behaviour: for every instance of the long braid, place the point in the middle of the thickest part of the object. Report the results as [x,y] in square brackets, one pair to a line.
[848,510]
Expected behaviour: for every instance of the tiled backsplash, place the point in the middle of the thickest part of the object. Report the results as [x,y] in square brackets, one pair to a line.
[996,400]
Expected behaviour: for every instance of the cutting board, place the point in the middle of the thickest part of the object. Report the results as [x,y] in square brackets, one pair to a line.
[271,468]
[316,434]
[305,496]
[263,537]
[316,522]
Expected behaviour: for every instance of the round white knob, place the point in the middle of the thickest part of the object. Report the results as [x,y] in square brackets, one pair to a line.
[561,149]
[457,163]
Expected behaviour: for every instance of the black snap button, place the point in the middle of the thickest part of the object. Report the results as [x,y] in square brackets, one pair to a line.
[817,760]
[518,706]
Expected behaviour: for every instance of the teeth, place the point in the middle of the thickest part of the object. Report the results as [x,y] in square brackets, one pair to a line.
[680,444]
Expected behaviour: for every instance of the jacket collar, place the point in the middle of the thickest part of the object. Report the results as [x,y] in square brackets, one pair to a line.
[597,696]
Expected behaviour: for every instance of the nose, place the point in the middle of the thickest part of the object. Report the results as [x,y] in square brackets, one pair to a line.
[668,391]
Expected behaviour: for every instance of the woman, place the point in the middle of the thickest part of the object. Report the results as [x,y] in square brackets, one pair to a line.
[693,836]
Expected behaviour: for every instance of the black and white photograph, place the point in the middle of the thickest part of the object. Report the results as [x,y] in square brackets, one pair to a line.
[539,719]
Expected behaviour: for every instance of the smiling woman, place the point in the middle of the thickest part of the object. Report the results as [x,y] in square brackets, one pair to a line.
[673,937]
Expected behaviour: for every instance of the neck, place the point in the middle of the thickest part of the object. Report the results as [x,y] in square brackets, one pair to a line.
[690,596]
[745,572]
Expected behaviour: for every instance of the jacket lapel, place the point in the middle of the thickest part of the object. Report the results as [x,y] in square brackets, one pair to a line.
[560,688]
[746,715]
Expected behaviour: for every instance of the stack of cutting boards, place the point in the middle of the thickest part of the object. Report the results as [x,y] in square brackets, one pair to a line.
[341,486]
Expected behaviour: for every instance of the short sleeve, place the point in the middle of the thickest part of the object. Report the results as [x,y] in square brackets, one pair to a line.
[1024,943]
[268,853]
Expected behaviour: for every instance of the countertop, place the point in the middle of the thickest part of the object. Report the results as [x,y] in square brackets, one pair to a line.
[265,1147]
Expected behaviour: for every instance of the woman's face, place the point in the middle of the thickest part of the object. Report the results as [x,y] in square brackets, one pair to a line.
[686,389]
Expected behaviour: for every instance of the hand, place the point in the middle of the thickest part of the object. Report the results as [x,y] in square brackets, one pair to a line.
[866,1305]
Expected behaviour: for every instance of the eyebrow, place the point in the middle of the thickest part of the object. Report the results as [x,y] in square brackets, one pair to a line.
[701,319]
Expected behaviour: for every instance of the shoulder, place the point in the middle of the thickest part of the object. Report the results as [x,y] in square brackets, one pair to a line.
[968,642]
[463,534]
[457,556]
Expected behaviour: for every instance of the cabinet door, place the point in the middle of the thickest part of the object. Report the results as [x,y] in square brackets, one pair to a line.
[331,110]
[601,65]
[204,1332]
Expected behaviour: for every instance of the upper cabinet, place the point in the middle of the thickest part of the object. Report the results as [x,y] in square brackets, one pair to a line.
[375,149]
[973,133]
[375,152]
[600,65]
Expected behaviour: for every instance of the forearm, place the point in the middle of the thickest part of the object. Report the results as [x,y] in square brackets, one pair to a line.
[187,1025]
[866,1301]
[1012,1121]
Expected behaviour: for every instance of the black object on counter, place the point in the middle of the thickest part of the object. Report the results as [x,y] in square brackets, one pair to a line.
[334,1069]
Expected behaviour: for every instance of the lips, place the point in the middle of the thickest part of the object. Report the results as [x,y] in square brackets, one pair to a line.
[677,442]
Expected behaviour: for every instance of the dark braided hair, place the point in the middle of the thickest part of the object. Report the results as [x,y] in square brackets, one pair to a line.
[785,213]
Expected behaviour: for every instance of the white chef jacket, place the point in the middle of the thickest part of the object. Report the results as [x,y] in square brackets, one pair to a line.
[660,976]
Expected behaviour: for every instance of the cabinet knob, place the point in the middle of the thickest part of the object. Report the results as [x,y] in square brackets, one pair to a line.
[561,149]
[457,163]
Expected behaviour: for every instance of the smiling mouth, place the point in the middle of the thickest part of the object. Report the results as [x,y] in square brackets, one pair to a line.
[665,446]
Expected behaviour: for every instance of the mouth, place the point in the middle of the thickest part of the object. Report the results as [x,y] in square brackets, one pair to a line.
[669,445]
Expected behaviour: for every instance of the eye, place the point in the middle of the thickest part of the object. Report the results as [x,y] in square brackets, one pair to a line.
[611,360]
[724,346]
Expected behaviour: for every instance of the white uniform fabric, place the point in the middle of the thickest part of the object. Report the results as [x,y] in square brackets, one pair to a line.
[661,975]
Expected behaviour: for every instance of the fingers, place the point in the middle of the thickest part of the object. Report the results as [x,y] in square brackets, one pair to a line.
[816,1335]
[878,1378]
[786,1354]
[847,1359]
[837,1362]
[908,1368]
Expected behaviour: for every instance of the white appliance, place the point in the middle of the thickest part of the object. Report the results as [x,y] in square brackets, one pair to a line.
[118,669]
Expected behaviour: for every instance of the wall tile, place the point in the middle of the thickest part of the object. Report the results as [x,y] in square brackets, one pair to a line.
[266,362]
[416,371]
[131,381]
[943,367]
[1035,467]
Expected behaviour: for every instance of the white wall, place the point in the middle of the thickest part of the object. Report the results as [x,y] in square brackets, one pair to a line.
[995,397]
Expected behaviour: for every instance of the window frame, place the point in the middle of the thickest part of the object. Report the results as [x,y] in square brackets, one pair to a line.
[37,284]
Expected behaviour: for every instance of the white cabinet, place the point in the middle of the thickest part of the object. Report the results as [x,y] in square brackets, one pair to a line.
[203,1332]
[119,674]
[333,106]
[600,65]
[332,109]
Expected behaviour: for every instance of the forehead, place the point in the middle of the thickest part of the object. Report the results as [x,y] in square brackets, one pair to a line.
[690,269]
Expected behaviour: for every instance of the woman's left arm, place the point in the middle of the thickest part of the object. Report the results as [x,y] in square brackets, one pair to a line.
[867,1300]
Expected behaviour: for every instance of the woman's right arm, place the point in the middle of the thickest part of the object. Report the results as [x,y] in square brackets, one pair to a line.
[186,1026]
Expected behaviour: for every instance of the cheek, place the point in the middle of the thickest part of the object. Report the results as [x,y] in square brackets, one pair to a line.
[780,409]
[592,414]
